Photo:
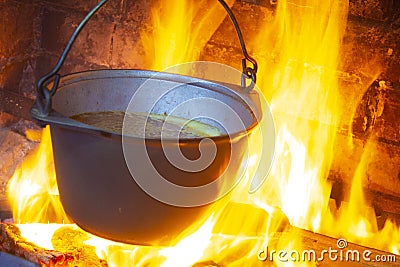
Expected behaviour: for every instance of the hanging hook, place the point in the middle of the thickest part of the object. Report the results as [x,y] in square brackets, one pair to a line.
[248,72]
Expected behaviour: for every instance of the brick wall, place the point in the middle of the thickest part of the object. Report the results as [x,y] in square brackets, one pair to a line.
[34,33]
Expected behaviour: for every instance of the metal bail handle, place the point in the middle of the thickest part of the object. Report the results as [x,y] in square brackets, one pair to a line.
[248,72]
[42,105]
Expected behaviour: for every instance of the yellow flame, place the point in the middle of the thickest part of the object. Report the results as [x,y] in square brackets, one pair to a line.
[356,219]
[32,190]
[190,249]
[41,234]
[180,31]
[301,83]
[302,88]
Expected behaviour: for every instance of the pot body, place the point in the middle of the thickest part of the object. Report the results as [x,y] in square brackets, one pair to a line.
[97,186]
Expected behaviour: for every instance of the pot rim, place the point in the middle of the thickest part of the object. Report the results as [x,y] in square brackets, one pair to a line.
[231,90]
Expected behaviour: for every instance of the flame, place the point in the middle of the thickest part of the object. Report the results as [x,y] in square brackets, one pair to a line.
[180,31]
[196,243]
[300,54]
[303,93]
[41,234]
[356,219]
[32,190]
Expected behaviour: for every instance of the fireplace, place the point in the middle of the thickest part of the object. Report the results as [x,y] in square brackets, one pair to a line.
[348,67]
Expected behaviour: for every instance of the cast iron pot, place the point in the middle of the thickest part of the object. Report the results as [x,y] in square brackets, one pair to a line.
[98,186]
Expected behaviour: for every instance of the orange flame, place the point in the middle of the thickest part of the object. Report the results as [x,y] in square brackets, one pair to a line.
[306,106]
[303,88]
[32,190]
[180,31]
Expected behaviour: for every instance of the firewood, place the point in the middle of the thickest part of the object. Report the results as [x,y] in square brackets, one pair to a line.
[244,249]
[318,242]
[12,242]
[224,249]
[252,252]
[71,241]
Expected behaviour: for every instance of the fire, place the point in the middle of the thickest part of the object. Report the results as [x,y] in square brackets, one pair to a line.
[33,191]
[196,243]
[180,31]
[357,220]
[304,100]
[300,54]
[303,91]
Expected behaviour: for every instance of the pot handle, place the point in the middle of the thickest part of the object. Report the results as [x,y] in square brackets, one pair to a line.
[42,105]
[247,72]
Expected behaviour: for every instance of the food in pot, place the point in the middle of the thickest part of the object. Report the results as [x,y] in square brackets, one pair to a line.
[155,124]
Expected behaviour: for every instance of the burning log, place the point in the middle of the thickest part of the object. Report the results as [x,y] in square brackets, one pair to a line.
[320,243]
[254,248]
[302,247]
[70,252]
[250,248]
[13,243]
